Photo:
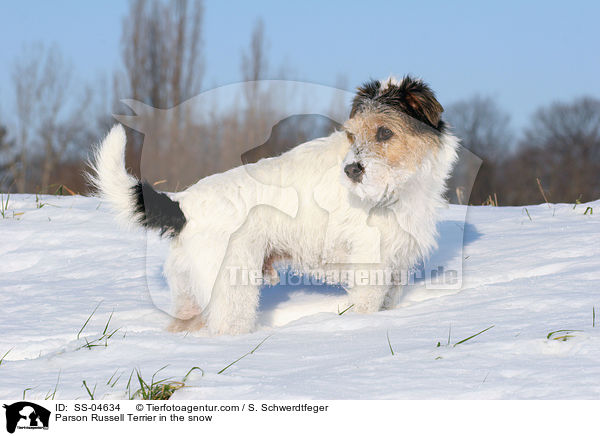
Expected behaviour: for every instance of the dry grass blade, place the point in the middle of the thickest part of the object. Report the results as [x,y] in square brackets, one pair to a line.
[539,183]
[491,201]
[61,188]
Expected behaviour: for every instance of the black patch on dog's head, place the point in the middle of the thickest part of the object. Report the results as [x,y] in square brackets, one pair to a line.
[411,96]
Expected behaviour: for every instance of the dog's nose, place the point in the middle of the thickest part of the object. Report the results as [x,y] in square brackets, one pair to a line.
[354,171]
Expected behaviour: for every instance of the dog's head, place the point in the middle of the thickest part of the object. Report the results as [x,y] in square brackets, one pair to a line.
[394,128]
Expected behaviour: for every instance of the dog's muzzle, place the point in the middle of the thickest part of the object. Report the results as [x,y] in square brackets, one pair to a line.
[354,171]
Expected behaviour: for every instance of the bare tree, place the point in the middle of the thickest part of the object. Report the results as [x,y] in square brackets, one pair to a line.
[162,51]
[484,130]
[8,158]
[482,126]
[25,77]
[49,116]
[254,64]
[254,67]
[340,107]
[561,147]
[162,55]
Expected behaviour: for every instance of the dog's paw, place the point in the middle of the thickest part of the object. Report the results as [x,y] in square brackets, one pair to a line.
[367,299]
[232,327]
[186,325]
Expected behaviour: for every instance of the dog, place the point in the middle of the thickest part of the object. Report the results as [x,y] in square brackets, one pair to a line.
[375,186]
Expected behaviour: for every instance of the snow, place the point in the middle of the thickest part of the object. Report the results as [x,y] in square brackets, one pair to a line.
[525,276]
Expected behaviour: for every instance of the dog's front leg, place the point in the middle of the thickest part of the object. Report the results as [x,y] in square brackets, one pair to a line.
[232,308]
[234,300]
[233,305]
[366,299]
[392,297]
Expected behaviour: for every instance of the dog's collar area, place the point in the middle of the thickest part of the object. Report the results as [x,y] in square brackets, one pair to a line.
[387,199]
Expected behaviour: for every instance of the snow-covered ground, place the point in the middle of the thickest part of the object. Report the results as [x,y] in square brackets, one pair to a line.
[526,275]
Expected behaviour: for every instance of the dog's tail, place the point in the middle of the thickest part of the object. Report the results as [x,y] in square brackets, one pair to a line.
[133,200]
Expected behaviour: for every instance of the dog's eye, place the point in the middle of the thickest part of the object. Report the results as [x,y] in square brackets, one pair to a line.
[383,133]
[350,136]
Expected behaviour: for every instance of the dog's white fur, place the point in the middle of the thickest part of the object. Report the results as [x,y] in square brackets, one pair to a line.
[228,230]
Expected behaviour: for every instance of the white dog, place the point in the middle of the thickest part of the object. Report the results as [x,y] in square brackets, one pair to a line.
[364,198]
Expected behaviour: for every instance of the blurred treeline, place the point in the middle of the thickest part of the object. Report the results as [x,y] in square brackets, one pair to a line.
[44,146]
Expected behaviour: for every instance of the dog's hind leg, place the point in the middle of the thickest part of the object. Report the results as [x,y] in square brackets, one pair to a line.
[185,308]
[234,300]
[187,315]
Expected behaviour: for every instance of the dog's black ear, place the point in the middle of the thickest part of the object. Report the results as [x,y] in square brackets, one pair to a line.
[368,91]
[420,101]
[411,96]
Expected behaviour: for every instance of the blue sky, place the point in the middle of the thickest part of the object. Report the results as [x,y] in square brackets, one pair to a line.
[524,54]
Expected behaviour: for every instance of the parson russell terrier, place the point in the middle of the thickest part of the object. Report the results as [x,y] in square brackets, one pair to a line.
[387,167]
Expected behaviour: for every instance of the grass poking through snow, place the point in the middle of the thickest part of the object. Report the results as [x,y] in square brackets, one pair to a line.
[50,396]
[561,335]
[102,340]
[110,381]
[4,205]
[472,336]
[161,389]
[389,343]
[345,310]
[247,354]
[88,320]
[539,183]
[157,389]
[439,344]
[195,368]
[25,391]
[5,354]
[90,393]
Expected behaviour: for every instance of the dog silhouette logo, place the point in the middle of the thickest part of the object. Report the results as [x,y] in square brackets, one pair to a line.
[26,415]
